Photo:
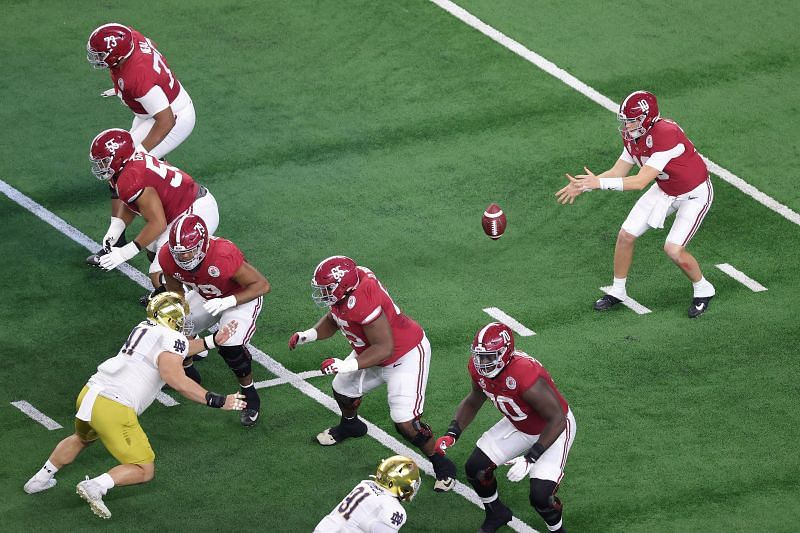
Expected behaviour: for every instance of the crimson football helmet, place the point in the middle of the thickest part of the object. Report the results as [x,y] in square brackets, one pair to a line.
[492,349]
[189,241]
[333,278]
[639,108]
[109,152]
[108,45]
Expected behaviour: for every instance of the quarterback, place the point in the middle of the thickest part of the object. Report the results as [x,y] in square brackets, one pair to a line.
[122,388]
[373,506]
[222,286]
[534,437]
[664,155]
[387,347]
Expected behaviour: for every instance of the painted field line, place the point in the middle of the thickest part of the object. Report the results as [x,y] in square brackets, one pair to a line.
[509,321]
[166,400]
[630,303]
[295,380]
[742,278]
[36,414]
[282,381]
[562,75]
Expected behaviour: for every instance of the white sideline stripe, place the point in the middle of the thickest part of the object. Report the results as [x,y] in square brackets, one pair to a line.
[501,316]
[36,414]
[630,303]
[295,380]
[165,399]
[281,381]
[742,278]
[554,70]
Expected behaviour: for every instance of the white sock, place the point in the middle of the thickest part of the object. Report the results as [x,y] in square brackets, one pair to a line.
[618,288]
[491,498]
[105,481]
[48,471]
[703,288]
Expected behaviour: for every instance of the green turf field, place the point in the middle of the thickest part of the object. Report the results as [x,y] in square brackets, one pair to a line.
[381,130]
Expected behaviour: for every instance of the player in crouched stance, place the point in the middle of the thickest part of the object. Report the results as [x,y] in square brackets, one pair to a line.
[373,506]
[388,347]
[123,387]
[534,437]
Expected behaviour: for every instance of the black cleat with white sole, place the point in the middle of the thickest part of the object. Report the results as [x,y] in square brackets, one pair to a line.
[248,417]
[699,306]
[499,516]
[337,434]
[606,302]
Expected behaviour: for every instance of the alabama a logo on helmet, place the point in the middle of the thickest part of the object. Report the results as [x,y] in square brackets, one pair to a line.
[338,273]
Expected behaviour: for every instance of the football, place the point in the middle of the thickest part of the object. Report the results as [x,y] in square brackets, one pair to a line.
[494,221]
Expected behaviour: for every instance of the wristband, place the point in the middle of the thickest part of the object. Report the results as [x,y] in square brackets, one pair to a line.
[611,184]
[208,342]
[310,335]
[348,365]
[214,400]
[454,430]
[534,453]
[130,250]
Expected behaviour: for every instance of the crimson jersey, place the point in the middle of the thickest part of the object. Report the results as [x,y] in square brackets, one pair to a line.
[176,189]
[144,69]
[506,388]
[684,171]
[213,278]
[366,303]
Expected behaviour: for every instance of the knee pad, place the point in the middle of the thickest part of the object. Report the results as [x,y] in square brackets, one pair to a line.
[346,401]
[480,468]
[542,495]
[422,432]
[238,359]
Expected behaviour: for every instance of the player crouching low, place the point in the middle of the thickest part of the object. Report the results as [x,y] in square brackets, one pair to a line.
[123,387]
[388,347]
[373,506]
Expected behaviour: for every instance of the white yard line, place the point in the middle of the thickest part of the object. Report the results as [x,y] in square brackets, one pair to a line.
[36,414]
[742,278]
[166,400]
[295,380]
[562,75]
[630,303]
[501,316]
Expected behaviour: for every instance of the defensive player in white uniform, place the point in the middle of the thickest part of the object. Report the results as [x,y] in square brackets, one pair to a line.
[121,389]
[373,506]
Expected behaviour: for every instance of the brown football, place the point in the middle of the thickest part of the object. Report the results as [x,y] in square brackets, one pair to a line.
[494,221]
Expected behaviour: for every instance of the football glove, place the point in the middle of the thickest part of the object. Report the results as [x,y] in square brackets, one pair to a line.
[519,468]
[332,365]
[302,337]
[116,256]
[216,306]
[108,92]
[444,442]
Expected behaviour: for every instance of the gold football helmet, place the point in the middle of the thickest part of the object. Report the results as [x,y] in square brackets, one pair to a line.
[169,309]
[399,475]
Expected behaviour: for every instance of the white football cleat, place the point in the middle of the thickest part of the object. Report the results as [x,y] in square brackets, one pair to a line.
[92,492]
[35,485]
[444,485]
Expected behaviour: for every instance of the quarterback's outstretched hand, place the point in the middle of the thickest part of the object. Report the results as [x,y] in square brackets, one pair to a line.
[302,337]
[570,192]
[332,365]
[234,402]
[444,442]
[519,468]
[217,305]
[116,256]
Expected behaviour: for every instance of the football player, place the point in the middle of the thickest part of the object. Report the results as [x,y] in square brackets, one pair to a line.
[121,389]
[664,155]
[163,112]
[148,187]
[388,347]
[222,286]
[534,437]
[373,506]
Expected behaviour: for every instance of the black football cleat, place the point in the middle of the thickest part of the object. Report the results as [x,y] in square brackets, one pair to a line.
[94,259]
[445,471]
[337,434]
[248,417]
[606,302]
[699,306]
[497,518]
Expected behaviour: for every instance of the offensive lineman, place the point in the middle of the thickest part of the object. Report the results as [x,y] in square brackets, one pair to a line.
[373,506]
[121,389]
[537,423]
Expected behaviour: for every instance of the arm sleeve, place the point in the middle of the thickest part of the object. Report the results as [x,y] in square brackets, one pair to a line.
[154,101]
[660,159]
[625,156]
